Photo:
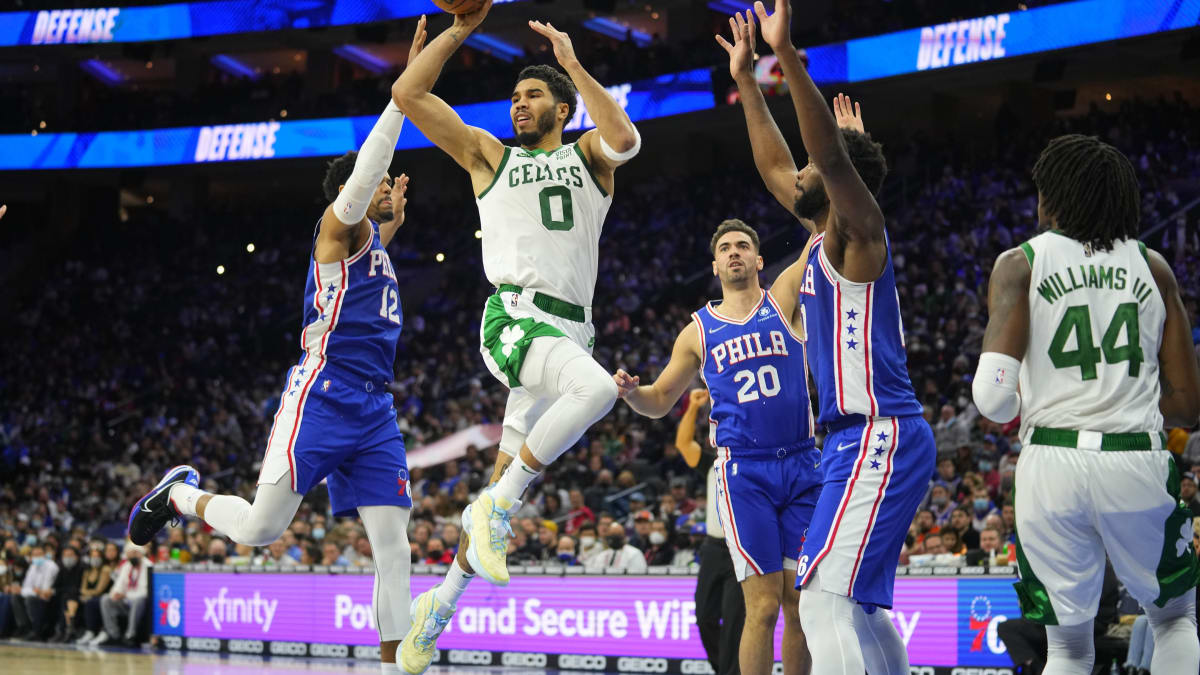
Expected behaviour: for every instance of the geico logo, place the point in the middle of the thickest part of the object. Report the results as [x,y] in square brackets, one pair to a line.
[366,652]
[470,656]
[246,646]
[331,651]
[921,670]
[626,664]
[204,644]
[981,671]
[172,641]
[695,667]
[289,649]
[522,659]
[582,662]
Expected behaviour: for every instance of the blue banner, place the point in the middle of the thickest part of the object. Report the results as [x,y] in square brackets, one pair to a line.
[666,95]
[197,19]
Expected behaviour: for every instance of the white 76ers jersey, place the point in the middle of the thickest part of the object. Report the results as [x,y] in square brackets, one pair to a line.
[541,219]
[1095,328]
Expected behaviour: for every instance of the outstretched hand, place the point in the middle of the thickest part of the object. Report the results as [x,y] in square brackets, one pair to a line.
[399,198]
[626,383]
[564,51]
[3,209]
[741,52]
[846,117]
[471,20]
[418,42]
[776,28]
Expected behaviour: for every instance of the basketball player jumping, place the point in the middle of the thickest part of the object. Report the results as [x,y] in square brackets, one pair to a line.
[541,206]
[1092,322]
[335,417]
[749,351]
[878,452]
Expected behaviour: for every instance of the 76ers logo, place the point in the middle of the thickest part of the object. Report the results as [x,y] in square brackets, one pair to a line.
[981,614]
[402,481]
[170,613]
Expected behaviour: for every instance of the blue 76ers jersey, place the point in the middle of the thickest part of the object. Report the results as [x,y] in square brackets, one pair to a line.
[856,338]
[352,315]
[756,376]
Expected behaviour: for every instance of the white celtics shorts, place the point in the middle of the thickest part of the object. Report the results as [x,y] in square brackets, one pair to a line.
[1080,495]
[511,322]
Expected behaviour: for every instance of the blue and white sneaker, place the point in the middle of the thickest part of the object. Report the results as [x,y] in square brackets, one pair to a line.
[155,510]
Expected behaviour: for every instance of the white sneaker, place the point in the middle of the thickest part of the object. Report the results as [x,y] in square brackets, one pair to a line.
[99,639]
[86,638]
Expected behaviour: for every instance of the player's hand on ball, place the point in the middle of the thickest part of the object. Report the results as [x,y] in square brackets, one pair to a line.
[626,383]
[418,42]
[848,116]
[564,51]
[399,198]
[777,27]
[741,52]
[698,397]
[471,20]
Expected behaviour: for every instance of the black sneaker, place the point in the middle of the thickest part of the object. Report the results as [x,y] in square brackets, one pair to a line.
[155,510]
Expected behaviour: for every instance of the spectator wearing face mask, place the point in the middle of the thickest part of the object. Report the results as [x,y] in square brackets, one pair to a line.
[97,579]
[619,555]
[589,545]
[565,553]
[940,504]
[66,595]
[31,605]
[659,551]
[436,553]
[217,551]
[981,508]
[126,600]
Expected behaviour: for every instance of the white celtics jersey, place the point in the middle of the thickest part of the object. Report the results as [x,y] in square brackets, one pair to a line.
[541,219]
[1095,326]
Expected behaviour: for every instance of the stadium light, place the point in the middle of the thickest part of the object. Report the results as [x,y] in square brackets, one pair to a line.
[493,45]
[616,30]
[362,58]
[234,67]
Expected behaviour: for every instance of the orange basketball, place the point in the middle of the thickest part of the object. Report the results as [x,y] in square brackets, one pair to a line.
[459,6]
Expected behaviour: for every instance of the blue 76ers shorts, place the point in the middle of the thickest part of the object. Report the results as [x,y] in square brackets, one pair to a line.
[765,498]
[333,425]
[876,474]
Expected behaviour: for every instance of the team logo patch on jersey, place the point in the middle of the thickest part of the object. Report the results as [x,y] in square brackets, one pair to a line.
[402,481]
[764,312]
[325,385]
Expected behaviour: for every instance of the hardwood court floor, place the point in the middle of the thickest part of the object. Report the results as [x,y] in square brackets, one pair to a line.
[24,659]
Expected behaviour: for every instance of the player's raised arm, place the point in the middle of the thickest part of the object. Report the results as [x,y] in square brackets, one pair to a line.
[855,221]
[615,140]
[1005,339]
[1178,377]
[399,197]
[656,400]
[786,289]
[772,157]
[472,148]
[685,435]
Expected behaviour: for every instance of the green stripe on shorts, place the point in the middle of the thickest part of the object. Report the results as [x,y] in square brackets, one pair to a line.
[1031,592]
[507,339]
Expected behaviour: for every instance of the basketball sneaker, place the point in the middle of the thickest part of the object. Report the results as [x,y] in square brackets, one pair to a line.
[155,509]
[429,619]
[486,522]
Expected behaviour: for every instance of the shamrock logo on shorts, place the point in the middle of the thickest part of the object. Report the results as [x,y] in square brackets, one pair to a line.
[1185,538]
[509,338]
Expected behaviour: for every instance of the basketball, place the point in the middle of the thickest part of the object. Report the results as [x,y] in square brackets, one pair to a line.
[459,6]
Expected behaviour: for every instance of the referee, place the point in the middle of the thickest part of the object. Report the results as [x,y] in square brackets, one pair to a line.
[720,606]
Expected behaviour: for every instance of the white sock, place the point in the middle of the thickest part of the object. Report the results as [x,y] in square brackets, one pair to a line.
[514,481]
[184,497]
[454,586]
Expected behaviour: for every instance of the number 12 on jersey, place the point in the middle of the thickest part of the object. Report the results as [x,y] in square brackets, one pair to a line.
[1078,320]
[389,313]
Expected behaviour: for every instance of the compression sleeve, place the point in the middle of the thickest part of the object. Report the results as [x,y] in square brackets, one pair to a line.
[374,158]
[995,387]
[629,154]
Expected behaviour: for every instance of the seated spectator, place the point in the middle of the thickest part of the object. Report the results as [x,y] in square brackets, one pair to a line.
[640,539]
[940,504]
[451,537]
[687,546]
[679,490]
[952,543]
[660,551]
[619,555]
[436,553]
[579,512]
[1008,520]
[217,549]
[923,525]
[668,511]
[362,553]
[982,507]
[66,595]
[31,605]
[1187,493]
[589,544]
[594,496]
[960,521]
[13,567]
[276,554]
[992,550]
[565,553]
[97,580]
[127,599]
[243,554]
[547,539]
[311,555]
[331,555]
[552,508]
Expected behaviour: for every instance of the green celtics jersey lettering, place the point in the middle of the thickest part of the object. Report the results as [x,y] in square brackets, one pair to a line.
[1095,327]
[541,217]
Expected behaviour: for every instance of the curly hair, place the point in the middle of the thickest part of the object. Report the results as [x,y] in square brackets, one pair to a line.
[1090,190]
[867,157]
[337,173]
[561,86]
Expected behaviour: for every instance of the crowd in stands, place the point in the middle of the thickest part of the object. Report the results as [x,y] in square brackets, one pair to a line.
[130,356]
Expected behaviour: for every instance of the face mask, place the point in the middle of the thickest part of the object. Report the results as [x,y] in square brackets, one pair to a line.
[94,561]
[981,504]
[587,542]
[616,541]
[48,557]
[69,562]
[940,501]
[566,558]
[657,538]
[985,466]
[1016,446]
[218,559]
[135,561]
[318,533]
